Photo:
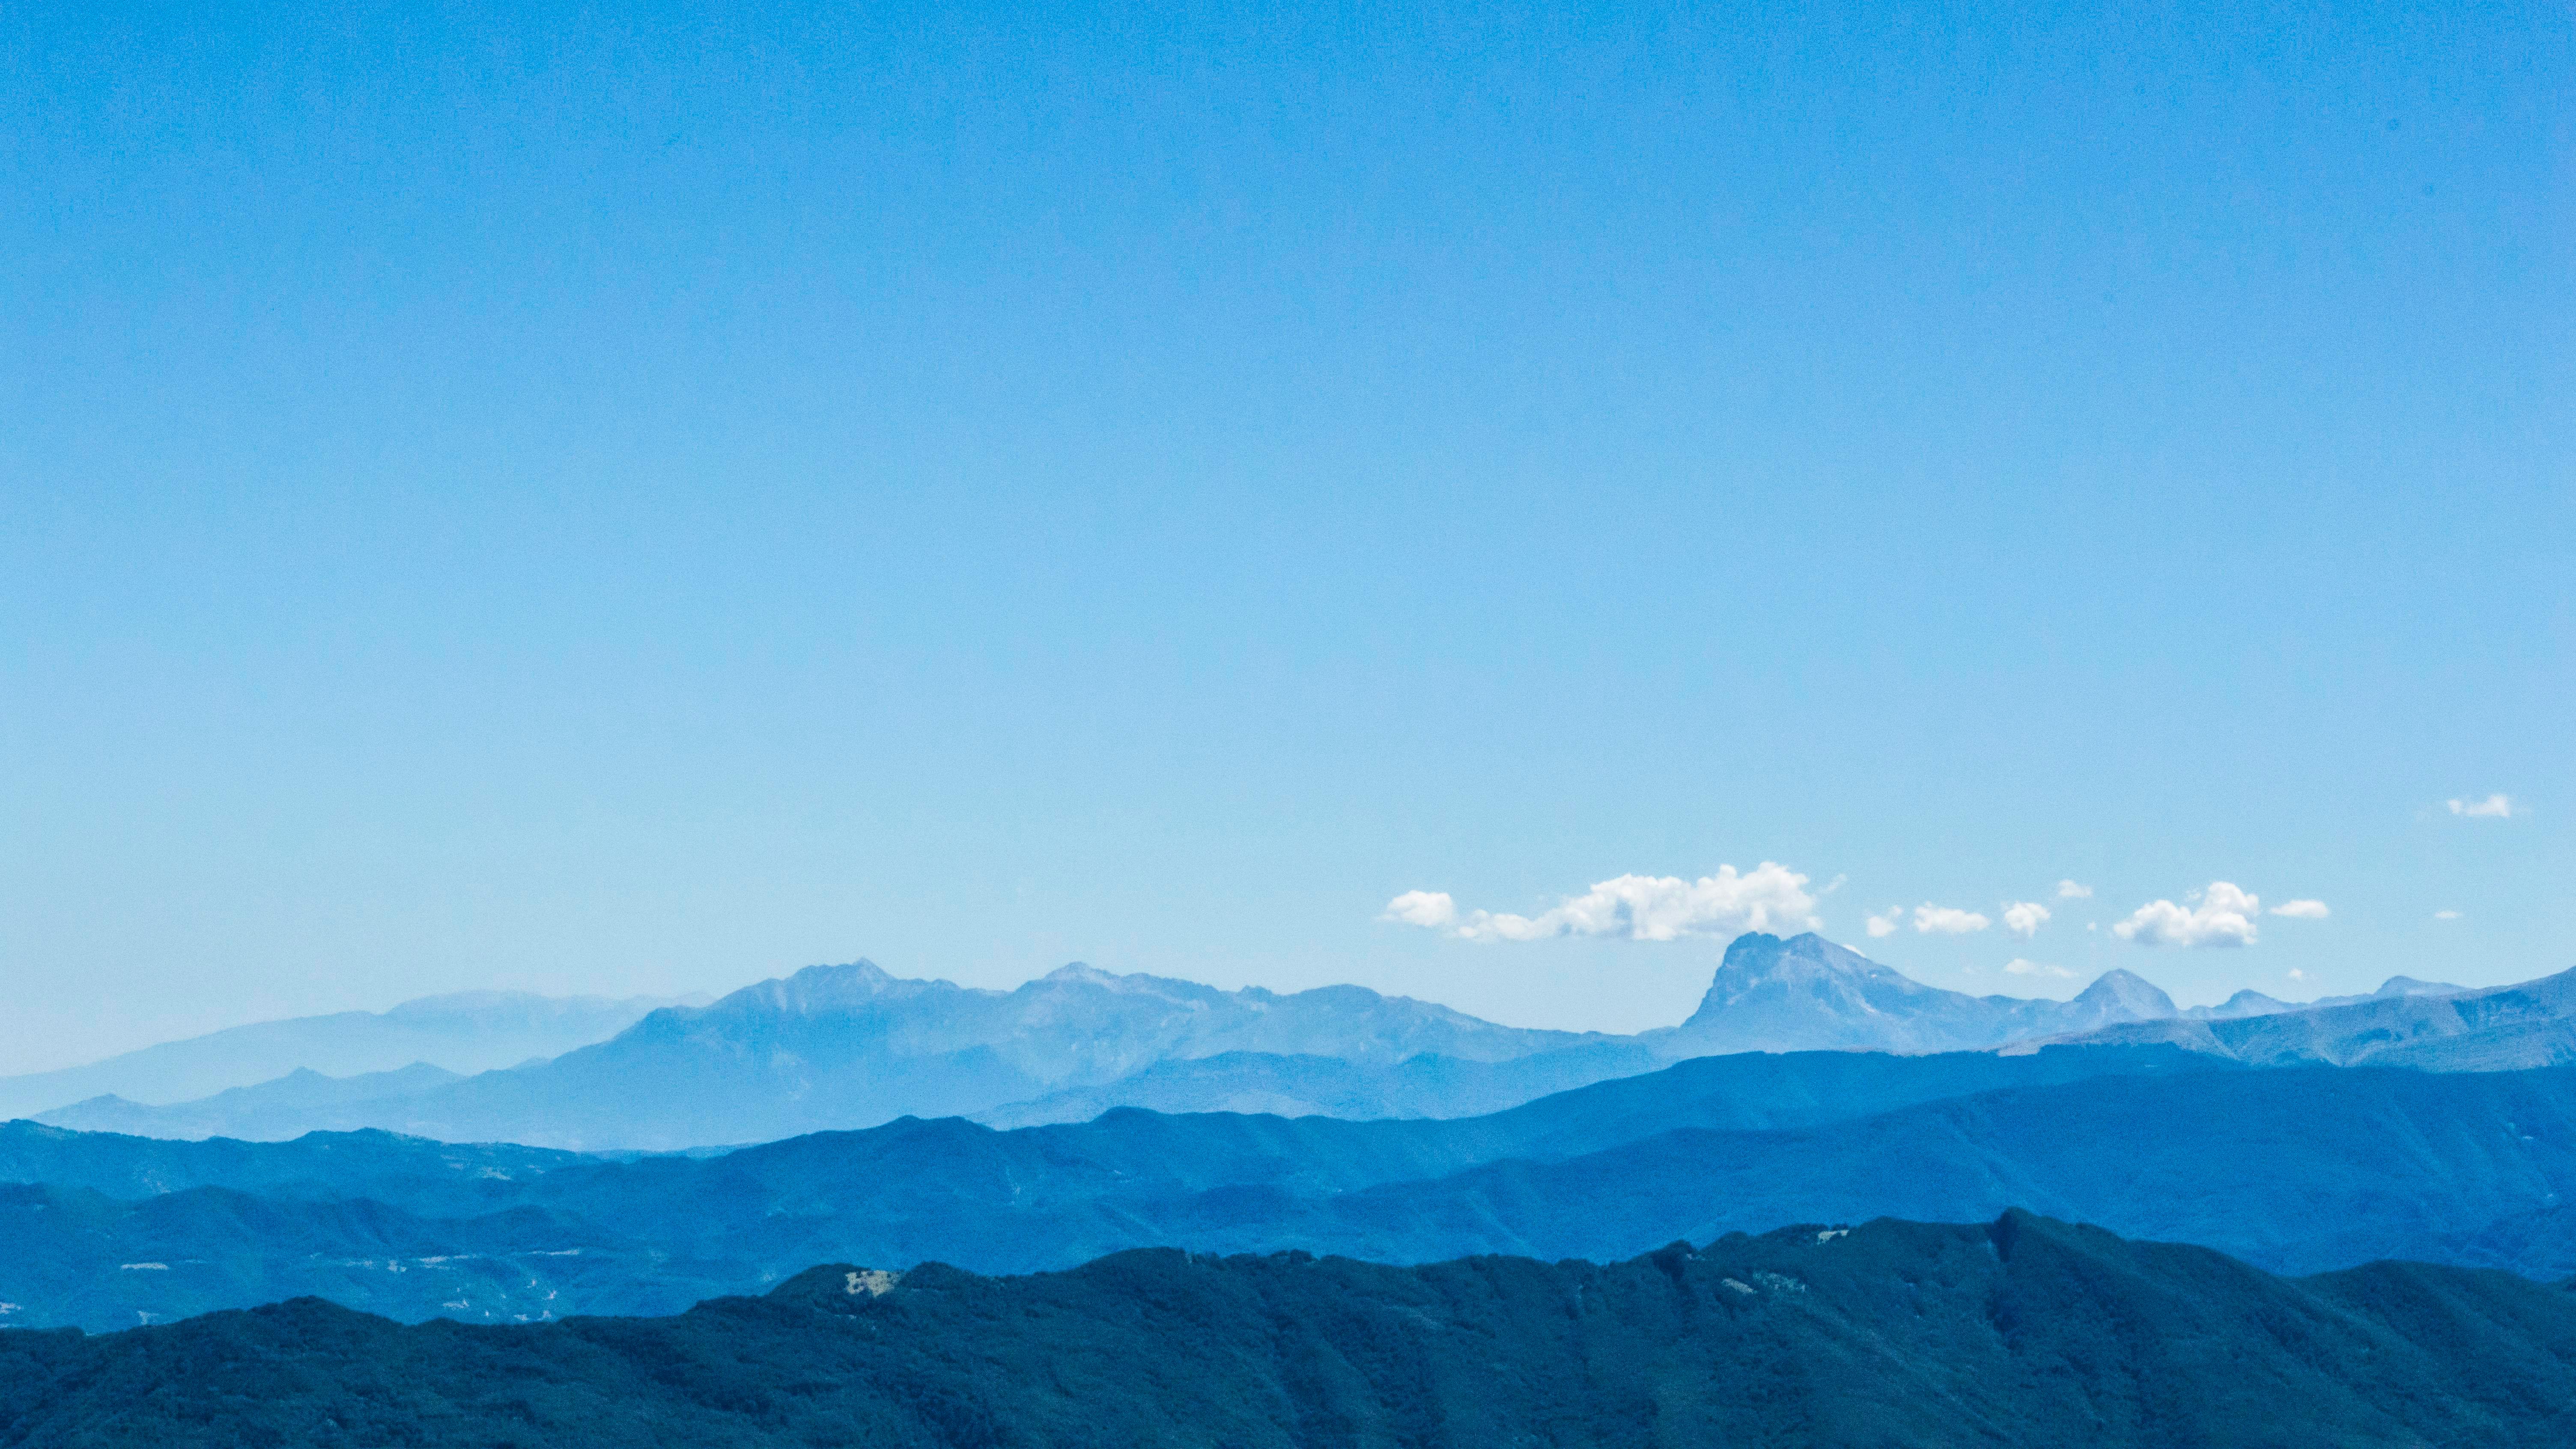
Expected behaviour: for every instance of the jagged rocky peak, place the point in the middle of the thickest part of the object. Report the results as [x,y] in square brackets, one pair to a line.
[1807,993]
[1758,958]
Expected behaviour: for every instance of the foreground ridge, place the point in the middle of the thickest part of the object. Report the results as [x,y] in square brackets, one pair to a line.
[2022,1331]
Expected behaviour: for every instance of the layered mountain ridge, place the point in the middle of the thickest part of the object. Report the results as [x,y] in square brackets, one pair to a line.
[837,1047]
[852,1046]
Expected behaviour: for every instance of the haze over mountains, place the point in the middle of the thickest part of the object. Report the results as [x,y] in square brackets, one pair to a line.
[469,1032]
[2295,1169]
[850,1046]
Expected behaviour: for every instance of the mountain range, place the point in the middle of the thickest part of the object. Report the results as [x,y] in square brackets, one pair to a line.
[469,1032]
[2022,1331]
[2295,1169]
[2407,1023]
[835,1047]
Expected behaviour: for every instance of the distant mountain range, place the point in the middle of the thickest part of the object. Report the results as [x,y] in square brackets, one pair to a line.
[838,1047]
[851,1046]
[2021,1332]
[473,1031]
[2407,1023]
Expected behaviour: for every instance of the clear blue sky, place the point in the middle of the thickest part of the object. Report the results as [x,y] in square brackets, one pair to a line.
[645,501]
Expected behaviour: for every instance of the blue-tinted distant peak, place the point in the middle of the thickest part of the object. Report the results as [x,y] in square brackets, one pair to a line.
[2138,997]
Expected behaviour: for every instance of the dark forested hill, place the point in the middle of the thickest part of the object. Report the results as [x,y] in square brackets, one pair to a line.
[2023,1332]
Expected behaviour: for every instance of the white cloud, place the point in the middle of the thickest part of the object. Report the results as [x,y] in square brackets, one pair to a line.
[2223,917]
[2301,910]
[2023,918]
[2020,967]
[2068,890]
[2446,915]
[1422,908]
[1884,924]
[1947,920]
[1633,907]
[2298,975]
[2494,807]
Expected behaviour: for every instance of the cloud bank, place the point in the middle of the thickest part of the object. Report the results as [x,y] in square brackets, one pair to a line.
[1633,907]
[2222,916]
[2494,807]
[1947,920]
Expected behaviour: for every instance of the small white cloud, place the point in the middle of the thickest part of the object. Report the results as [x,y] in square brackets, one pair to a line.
[2223,917]
[1947,920]
[2068,890]
[2019,967]
[2301,910]
[1422,908]
[2494,807]
[2092,925]
[1633,907]
[1884,924]
[2023,918]
[2446,915]
[2298,975]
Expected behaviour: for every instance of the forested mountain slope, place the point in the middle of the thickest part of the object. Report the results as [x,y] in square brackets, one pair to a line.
[2022,1332]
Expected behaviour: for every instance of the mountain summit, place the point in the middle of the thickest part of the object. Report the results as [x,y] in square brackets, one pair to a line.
[1806,993]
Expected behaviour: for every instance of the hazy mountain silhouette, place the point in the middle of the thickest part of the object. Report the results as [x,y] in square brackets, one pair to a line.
[469,1032]
[851,1046]
[2405,1023]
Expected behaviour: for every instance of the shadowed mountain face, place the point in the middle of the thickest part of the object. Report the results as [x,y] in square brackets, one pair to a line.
[2025,1331]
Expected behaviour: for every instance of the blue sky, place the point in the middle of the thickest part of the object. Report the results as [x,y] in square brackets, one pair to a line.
[526,497]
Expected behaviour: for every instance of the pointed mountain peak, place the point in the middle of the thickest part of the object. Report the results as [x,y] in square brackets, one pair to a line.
[2122,995]
[2121,984]
[1832,981]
